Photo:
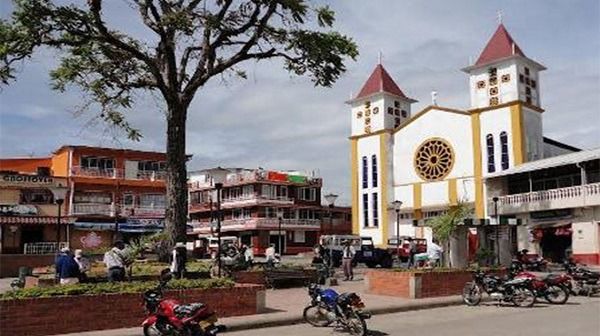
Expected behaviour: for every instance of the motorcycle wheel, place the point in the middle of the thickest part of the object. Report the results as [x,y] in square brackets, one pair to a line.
[556,294]
[523,297]
[356,325]
[316,316]
[471,294]
[153,330]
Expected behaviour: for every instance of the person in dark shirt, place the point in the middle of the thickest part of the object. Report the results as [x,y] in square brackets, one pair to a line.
[67,269]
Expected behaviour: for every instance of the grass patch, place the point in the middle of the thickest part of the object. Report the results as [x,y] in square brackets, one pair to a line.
[115,287]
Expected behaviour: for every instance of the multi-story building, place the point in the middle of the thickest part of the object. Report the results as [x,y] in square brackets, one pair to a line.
[256,203]
[439,157]
[111,192]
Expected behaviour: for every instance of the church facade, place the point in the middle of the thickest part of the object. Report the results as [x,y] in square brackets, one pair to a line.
[433,159]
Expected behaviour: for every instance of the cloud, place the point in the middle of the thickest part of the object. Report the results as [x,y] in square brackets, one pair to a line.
[275,120]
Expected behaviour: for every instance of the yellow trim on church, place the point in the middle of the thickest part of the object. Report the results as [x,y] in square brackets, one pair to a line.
[452,192]
[518,139]
[477,169]
[417,200]
[383,197]
[354,184]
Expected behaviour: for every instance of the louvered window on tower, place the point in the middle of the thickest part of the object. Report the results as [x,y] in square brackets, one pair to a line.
[491,164]
[365,210]
[365,172]
[504,146]
[375,210]
[374,170]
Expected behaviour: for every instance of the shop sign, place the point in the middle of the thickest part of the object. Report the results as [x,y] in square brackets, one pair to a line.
[18,209]
[146,222]
[549,215]
[20,180]
[91,240]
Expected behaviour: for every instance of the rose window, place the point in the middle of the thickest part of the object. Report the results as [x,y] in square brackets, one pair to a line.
[434,159]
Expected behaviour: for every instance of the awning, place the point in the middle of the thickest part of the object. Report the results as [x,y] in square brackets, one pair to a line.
[94,226]
[139,228]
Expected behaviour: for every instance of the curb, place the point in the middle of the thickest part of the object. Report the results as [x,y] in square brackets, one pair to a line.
[377,311]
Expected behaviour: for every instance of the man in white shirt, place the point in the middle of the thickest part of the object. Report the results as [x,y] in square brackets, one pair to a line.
[347,256]
[115,263]
[434,252]
[270,254]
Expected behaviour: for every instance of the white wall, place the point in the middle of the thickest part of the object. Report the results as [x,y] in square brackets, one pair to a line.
[534,137]
[494,122]
[585,238]
[369,146]
[507,91]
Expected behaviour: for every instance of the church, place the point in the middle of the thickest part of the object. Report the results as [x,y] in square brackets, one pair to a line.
[435,158]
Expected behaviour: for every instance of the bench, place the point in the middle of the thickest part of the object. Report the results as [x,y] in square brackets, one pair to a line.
[278,275]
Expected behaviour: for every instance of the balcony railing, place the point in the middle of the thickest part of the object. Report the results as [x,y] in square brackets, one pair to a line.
[144,211]
[245,200]
[116,173]
[43,247]
[260,223]
[561,198]
[93,209]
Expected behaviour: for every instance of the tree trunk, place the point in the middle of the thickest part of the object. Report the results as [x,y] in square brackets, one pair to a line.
[177,192]
[459,251]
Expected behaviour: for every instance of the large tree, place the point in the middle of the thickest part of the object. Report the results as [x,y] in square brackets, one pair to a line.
[188,42]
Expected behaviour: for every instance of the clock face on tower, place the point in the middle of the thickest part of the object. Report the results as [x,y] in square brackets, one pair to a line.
[434,159]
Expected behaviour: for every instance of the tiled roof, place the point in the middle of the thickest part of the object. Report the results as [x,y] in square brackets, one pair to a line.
[380,81]
[500,46]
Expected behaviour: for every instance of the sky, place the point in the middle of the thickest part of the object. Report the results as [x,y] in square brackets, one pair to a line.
[279,121]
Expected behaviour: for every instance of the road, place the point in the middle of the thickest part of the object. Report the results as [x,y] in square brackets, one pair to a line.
[579,317]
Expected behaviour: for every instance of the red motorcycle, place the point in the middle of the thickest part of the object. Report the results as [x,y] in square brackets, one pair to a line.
[555,288]
[169,317]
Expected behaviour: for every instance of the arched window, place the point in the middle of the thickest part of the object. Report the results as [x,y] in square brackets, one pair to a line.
[374,170]
[365,172]
[504,148]
[491,163]
[365,210]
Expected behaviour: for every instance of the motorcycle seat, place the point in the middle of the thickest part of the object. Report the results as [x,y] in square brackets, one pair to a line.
[187,309]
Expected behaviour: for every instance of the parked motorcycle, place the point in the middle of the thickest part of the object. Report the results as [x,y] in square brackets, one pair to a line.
[537,264]
[169,317]
[517,291]
[328,307]
[585,281]
[554,288]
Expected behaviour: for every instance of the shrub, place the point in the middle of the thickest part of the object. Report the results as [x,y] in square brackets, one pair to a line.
[113,287]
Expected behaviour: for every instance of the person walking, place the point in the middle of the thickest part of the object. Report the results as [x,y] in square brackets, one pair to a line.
[84,265]
[347,256]
[115,262]
[434,253]
[178,260]
[67,269]
[270,255]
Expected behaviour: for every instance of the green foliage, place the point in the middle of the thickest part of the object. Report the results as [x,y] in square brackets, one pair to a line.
[445,225]
[484,256]
[116,287]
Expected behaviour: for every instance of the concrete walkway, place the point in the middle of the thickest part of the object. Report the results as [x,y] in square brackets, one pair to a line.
[285,306]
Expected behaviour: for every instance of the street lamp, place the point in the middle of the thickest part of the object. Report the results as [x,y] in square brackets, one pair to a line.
[279,237]
[218,176]
[330,199]
[495,199]
[396,205]
[58,193]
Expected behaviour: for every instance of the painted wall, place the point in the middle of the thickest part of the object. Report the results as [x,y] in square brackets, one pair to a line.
[495,122]
[367,147]
[26,165]
[585,237]
[534,137]
[378,111]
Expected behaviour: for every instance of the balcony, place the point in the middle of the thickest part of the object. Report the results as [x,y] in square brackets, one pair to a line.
[144,211]
[96,172]
[244,201]
[561,198]
[152,175]
[260,223]
[93,209]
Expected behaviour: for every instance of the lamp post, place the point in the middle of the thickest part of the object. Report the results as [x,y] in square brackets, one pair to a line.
[279,237]
[218,176]
[58,193]
[396,205]
[495,199]
[330,199]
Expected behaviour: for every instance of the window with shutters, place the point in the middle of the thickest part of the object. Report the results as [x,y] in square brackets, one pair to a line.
[491,164]
[365,210]
[375,210]
[504,147]
[365,172]
[374,170]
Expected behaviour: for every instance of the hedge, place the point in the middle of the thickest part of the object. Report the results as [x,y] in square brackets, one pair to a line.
[112,287]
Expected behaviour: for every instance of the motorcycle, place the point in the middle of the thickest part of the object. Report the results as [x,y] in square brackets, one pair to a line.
[169,317]
[585,281]
[517,291]
[537,264]
[328,307]
[554,288]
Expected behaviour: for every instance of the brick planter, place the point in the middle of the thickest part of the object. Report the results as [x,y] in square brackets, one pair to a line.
[70,314]
[417,284]
[258,277]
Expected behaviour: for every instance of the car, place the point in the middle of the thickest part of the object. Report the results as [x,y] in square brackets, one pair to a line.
[366,252]
[403,251]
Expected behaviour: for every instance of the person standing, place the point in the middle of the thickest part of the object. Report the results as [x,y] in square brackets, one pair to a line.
[270,255]
[434,253]
[178,260]
[67,269]
[115,262]
[347,256]
[412,250]
[84,265]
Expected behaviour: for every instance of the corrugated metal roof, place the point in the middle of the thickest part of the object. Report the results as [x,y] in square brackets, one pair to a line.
[555,161]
